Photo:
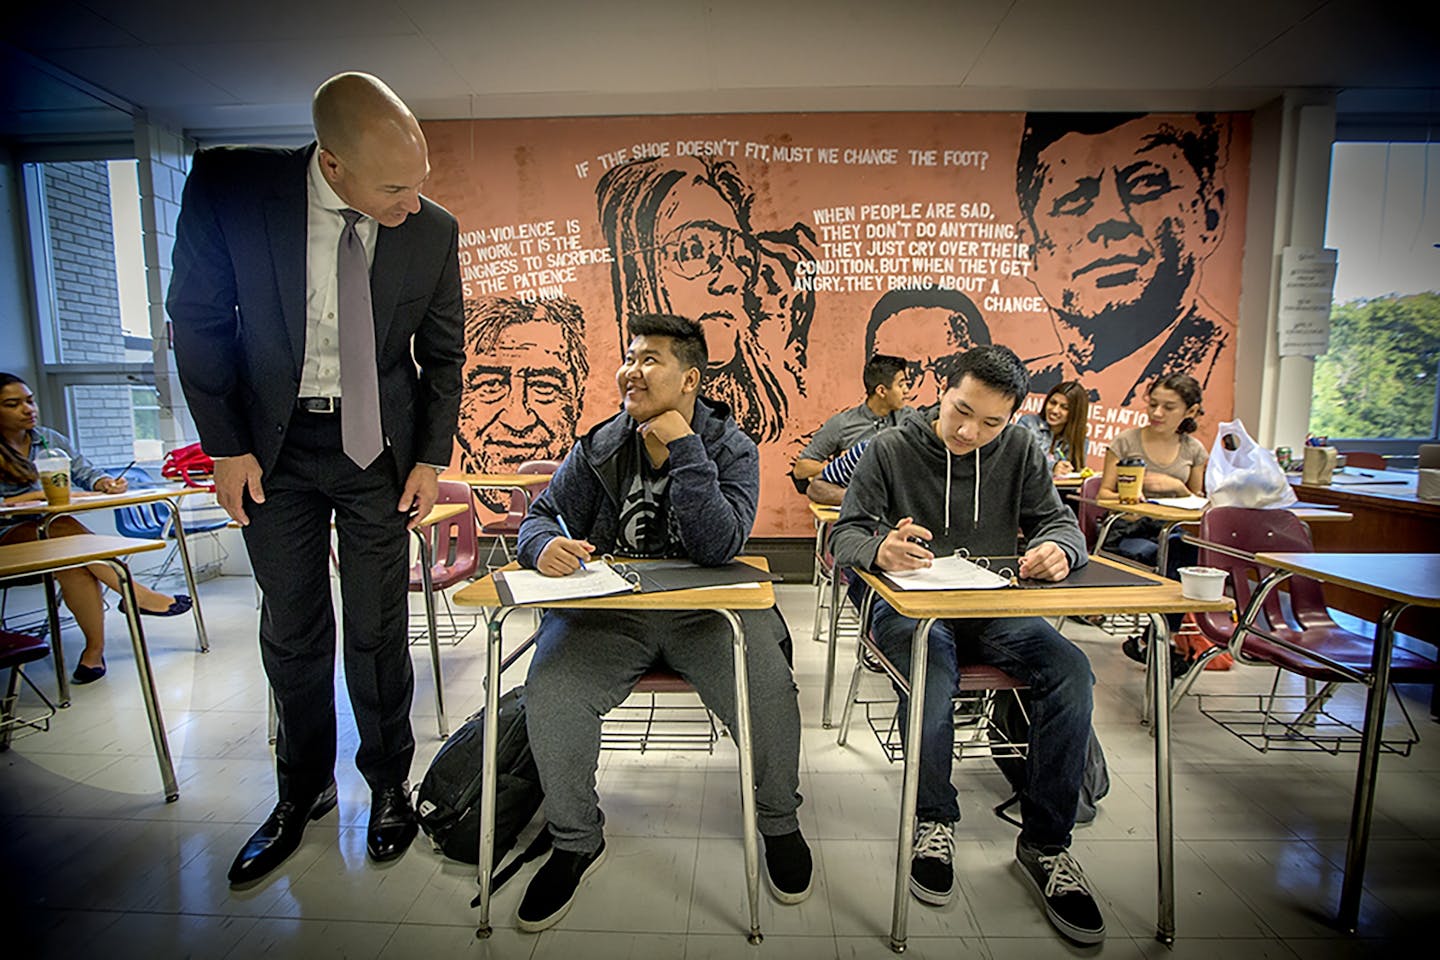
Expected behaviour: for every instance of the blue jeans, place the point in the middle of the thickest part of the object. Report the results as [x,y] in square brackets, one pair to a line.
[1060,682]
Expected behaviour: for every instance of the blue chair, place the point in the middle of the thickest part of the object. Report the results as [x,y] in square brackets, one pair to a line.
[151,521]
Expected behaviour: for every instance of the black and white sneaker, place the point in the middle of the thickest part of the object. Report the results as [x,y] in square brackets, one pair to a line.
[789,866]
[932,870]
[1063,889]
[553,887]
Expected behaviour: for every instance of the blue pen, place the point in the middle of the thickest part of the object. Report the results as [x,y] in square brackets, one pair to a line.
[565,529]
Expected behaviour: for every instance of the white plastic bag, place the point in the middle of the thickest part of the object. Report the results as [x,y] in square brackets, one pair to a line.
[1247,475]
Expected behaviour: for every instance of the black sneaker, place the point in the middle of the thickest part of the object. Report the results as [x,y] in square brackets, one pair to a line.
[932,871]
[1062,886]
[553,887]
[789,866]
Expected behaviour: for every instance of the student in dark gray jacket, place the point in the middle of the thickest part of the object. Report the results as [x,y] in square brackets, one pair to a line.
[670,476]
[967,479]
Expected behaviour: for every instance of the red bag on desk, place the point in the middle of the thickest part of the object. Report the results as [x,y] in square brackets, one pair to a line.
[186,463]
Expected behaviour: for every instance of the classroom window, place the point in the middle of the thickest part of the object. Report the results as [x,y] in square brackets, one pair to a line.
[1380,379]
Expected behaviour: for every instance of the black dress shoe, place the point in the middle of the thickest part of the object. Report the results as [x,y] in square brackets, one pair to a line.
[278,837]
[392,823]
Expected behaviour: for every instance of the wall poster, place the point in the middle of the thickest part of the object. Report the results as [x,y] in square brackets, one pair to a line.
[1100,247]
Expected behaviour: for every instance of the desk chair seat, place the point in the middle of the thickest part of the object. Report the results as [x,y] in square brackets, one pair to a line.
[1298,641]
[151,521]
[16,650]
[1364,460]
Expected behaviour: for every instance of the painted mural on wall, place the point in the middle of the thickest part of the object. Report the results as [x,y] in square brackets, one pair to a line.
[1100,247]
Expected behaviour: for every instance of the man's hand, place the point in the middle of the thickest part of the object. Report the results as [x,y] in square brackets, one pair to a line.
[899,551]
[111,485]
[421,489]
[1045,561]
[233,476]
[563,556]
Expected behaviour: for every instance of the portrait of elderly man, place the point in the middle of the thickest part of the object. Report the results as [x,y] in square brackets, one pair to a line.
[679,230]
[524,383]
[1120,212]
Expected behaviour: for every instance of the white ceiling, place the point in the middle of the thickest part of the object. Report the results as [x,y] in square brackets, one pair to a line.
[222,68]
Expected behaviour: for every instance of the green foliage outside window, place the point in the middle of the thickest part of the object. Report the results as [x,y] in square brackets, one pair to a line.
[1379,377]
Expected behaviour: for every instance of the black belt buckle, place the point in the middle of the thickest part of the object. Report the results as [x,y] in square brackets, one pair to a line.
[318,404]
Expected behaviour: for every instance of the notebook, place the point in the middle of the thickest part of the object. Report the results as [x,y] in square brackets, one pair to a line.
[991,573]
[606,576]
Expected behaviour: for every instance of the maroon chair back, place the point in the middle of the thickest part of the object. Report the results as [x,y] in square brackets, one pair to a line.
[1091,515]
[509,525]
[455,554]
[1257,531]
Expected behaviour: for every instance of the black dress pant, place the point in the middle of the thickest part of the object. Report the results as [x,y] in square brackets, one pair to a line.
[288,540]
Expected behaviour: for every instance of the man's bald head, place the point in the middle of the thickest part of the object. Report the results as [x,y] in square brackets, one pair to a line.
[372,151]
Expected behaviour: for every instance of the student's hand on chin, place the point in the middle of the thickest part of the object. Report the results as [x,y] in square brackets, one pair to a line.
[666,427]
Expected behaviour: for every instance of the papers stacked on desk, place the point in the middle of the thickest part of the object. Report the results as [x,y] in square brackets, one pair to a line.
[598,579]
[949,573]
[1182,503]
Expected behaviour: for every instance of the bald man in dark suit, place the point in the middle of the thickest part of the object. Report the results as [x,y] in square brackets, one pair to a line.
[316,306]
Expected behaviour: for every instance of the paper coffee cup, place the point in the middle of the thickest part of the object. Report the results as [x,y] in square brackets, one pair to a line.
[1130,479]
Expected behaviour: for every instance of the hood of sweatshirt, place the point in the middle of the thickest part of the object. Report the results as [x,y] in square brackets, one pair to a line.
[978,501]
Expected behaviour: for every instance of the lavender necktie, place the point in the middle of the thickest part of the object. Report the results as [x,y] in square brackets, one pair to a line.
[359,377]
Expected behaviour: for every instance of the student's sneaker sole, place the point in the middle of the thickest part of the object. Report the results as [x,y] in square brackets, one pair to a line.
[790,899]
[535,926]
[932,897]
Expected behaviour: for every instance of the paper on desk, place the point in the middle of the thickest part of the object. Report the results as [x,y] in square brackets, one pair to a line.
[1182,503]
[529,586]
[948,573]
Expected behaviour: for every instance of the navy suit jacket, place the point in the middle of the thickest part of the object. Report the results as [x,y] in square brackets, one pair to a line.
[237,306]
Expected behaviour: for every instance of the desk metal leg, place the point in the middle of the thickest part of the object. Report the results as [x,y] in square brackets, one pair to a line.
[910,790]
[1358,841]
[189,569]
[836,597]
[747,772]
[57,649]
[428,588]
[488,773]
[1159,670]
[147,680]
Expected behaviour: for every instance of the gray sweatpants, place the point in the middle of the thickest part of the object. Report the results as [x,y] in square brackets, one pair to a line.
[587,661]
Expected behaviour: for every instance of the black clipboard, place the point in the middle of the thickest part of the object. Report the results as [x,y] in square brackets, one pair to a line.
[662,576]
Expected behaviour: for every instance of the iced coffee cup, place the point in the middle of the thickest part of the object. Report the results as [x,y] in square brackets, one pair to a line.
[54,469]
[1130,479]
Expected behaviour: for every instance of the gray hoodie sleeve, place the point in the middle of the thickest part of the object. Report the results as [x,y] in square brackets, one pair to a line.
[1042,514]
[857,534]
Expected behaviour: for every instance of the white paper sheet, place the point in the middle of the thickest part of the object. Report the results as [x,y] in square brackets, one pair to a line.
[949,573]
[1182,503]
[596,580]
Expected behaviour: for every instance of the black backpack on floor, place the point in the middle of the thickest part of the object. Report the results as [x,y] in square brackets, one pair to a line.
[448,802]
[1013,721]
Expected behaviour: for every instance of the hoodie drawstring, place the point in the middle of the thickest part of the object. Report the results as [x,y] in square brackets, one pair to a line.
[976,518]
[947,491]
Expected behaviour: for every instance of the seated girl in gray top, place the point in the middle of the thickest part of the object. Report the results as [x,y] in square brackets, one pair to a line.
[1059,427]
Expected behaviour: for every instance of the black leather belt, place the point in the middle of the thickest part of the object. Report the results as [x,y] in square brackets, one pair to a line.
[318,404]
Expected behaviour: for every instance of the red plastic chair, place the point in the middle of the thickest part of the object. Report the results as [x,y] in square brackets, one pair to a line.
[509,525]
[1090,515]
[1306,628]
[16,650]
[454,552]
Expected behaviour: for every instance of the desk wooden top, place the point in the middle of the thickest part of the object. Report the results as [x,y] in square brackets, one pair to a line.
[1406,577]
[1164,514]
[1045,602]
[761,596]
[82,500]
[824,512]
[60,553]
[1395,497]
[499,481]
[1071,481]
[442,511]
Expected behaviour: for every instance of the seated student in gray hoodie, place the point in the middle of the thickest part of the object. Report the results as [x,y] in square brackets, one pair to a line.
[669,476]
[966,479]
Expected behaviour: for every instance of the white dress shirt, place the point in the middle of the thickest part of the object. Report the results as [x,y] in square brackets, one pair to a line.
[320,374]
